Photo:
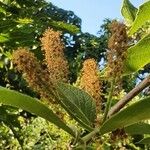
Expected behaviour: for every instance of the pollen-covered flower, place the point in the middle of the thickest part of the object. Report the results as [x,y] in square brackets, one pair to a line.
[53,49]
[117,45]
[116,53]
[37,78]
[89,81]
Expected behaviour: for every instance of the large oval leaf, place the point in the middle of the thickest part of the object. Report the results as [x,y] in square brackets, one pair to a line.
[15,99]
[80,103]
[138,56]
[141,18]
[138,128]
[135,113]
[128,11]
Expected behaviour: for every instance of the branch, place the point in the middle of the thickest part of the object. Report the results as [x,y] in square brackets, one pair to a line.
[145,83]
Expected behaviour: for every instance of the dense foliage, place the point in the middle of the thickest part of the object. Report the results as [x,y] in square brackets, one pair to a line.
[64,89]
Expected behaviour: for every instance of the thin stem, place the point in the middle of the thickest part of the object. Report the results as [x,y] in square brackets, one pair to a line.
[90,135]
[109,100]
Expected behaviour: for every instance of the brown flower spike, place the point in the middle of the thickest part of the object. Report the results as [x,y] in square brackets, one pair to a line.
[89,81]
[117,45]
[53,49]
[37,78]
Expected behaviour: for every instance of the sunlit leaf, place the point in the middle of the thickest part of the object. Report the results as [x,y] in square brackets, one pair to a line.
[4,37]
[132,114]
[24,21]
[128,11]
[141,18]
[138,56]
[2,10]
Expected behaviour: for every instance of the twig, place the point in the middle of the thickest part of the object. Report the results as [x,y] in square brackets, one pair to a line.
[109,101]
[145,83]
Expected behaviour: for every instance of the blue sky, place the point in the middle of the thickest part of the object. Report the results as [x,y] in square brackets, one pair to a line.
[93,12]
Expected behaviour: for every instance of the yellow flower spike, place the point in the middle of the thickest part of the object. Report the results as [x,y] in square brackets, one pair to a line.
[89,81]
[53,49]
[37,78]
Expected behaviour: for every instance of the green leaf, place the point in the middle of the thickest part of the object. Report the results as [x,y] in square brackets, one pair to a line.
[4,37]
[65,26]
[2,10]
[144,141]
[138,128]
[80,104]
[141,18]
[15,99]
[128,11]
[7,2]
[24,21]
[138,56]
[132,114]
